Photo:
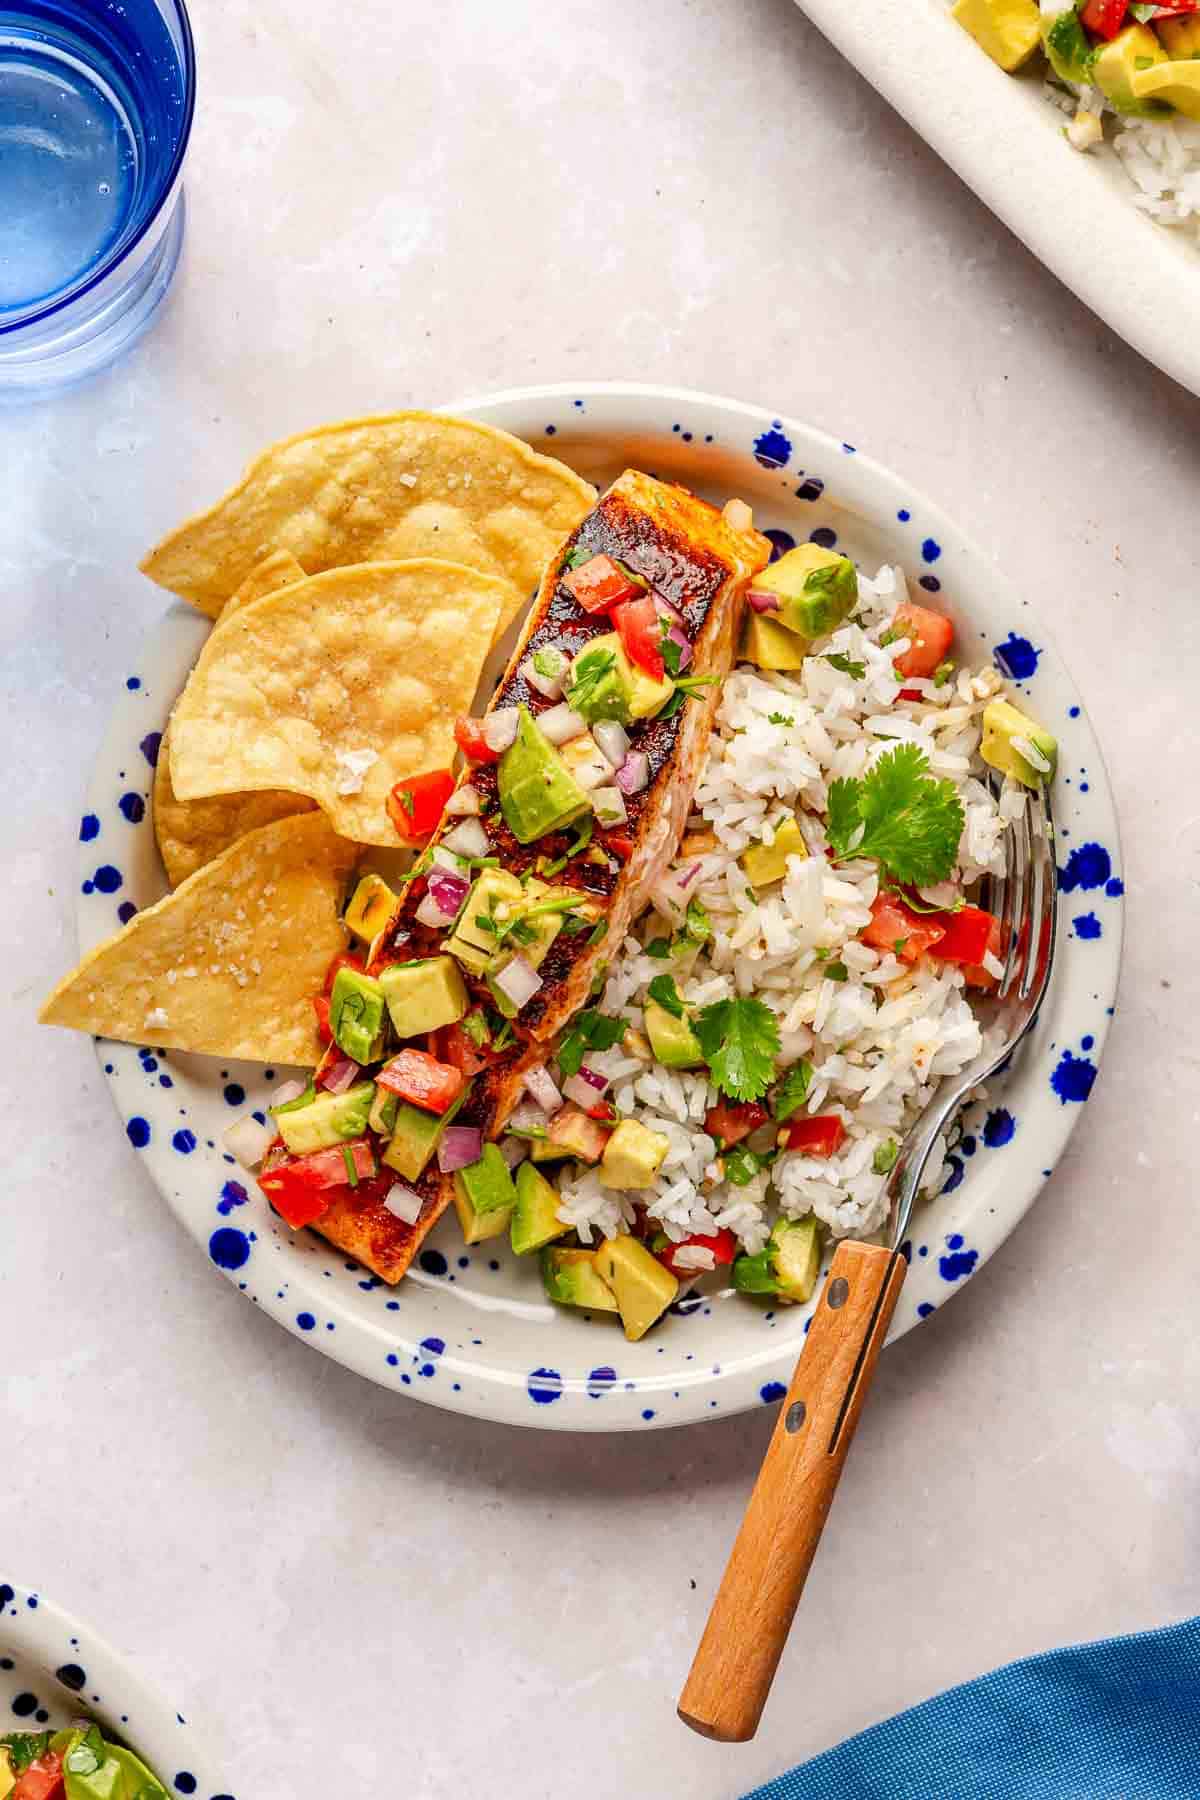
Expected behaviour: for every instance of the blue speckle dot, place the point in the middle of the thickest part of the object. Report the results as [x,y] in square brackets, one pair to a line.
[126,911]
[138,1132]
[954,1178]
[24,1705]
[904,515]
[600,1381]
[434,1345]
[133,807]
[771,1391]
[393,1359]
[956,1242]
[810,489]
[931,550]
[930,583]
[923,1250]
[544,1386]
[1114,888]
[89,828]
[88,887]
[1073,712]
[773,449]
[185,1783]
[850,449]
[1086,1042]
[957,1263]
[235,1093]
[133,683]
[824,535]
[968,1145]
[433,1262]
[687,437]
[1087,925]
[107,879]
[1016,658]
[305,1321]
[647,1412]
[1088,866]
[233,1194]
[551,430]
[781,543]
[149,747]
[1072,1079]
[228,1248]
[999,1128]
[924,1309]
[184,1142]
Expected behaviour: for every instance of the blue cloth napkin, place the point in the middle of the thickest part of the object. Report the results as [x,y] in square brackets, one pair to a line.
[1115,1720]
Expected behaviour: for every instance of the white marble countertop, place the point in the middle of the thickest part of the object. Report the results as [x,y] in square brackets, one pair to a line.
[421,202]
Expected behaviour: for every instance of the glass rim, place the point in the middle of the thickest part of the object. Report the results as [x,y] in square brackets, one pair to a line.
[118,255]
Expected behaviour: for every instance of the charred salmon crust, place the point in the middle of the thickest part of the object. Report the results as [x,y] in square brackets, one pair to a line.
[690,554]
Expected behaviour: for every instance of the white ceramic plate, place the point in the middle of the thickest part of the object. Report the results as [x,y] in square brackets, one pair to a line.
[469,1330]
[54,1669]
[1003,137]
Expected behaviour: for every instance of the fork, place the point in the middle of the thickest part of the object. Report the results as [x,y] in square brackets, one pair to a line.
[747,1628]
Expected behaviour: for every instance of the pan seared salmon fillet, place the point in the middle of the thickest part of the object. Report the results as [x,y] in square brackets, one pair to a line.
[695,558]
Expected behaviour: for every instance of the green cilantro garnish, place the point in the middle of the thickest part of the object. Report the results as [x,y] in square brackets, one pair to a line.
[587,672]
[598,932]
[422,864]
[779,719]
[659,948]
[898,945]
[405,797]
[686,688]
[670,650]
[24,1747]
[351,1171]
[579,555]
[845,665]
[837,971]
[740,1041]
[502,1031]
[792,1091]
[520,931]
[743,1164]
[942,673]
[583,836]
[573,925]
[898,816]
[884,1158]
[697,922]
[590,1030]
[487,923]
[889,637]
[915,904]
[482,862]
[475,1026]
[663,990]
[548,662]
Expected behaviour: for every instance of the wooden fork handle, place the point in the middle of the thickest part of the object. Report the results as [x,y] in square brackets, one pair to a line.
[747,1628]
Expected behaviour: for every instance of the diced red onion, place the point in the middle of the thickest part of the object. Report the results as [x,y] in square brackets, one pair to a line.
[514,1150]
[527,1117]
[468,839]
[561,723]
[340,1075]
[249,1141]
[634,773]
[609,804]
[683,644]
[462,802]
[449,889]
[685,877]
[762,600]
[500,729]
[539,1085]
[459,1145]
[288,1090]
[586,1087]
[430,913]
[549,685]
[403,1203]
[518,981]
[665,610]
[612,740]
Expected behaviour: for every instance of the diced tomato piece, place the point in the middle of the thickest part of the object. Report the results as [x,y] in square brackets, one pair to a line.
[584,1137]
[974,974]
[909,694]
[907,934]
[641,627]
[1104,18]
[456,1047]
[967,935]
[300,1188]
[723,1245]
[345,959]
[321,1008]
[468,735]
[932,635]
[822,1134]
[421,1080]
[415,805]
[606,1113]
[42,1780]
[619,842]
[729,1121]
[601,583]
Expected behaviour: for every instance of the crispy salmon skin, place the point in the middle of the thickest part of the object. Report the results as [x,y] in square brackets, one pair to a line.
[694,557]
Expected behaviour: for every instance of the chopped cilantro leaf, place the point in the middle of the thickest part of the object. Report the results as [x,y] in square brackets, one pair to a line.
[899,816]
[587,672]
[792,1091]
[575,558]
[698,923]
[742,1164]
[487,923]
[24,1747]
[598,932]
[780,719]
[884,1159]
[845,665]
[589,1030]
[942,673]
[659,948]
[549,662]
[740,1041]
[351,1171]
[663,990]
[475,1026]
[520,931]
[668,648]
[405,797]
[915,904]
[837,971]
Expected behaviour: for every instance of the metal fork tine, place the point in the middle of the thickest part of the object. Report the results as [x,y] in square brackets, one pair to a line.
[997,892]
[1020,925]
[1037,896]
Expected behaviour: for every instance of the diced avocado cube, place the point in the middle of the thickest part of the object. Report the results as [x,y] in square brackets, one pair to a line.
[755,1274]
[1180,38]
[543,1150]
[1006,729]
[644,1288]
[1120,61]
[421,996]
[570,1278]
[356,1015]
[328,1120]
[796,1245]
[1009,30]
[817,589]
[384,1107]
[1176,83]
[633,1156]
[495,896]
[535,1219]
[648,696]
[1067,45]
[674,1043]
[370,907]
[415,1134]
[601,681]
[484,1196]
[537,794]
[770,645]
[767,863]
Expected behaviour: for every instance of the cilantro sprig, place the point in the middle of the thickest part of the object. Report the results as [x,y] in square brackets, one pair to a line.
[663,990]
[740,1041]
[792,1091]
[590,1030]
[899,816]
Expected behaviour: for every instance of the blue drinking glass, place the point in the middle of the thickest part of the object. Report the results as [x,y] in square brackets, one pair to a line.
[96,103]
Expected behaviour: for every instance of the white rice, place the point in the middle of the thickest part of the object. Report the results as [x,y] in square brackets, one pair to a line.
[880,1041]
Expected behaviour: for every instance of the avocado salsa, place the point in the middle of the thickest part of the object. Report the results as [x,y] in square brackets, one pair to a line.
[445,1060]
[79,1763]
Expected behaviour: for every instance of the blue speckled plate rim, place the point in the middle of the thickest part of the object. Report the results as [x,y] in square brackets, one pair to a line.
[962,1228]
[83,1674]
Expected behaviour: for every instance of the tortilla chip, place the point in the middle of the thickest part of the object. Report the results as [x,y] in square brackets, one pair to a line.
[227,964]
[377,490]
[375,661]
[191,832]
